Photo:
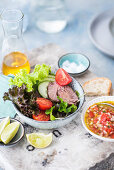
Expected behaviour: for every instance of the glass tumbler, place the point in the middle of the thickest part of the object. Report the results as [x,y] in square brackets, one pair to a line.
[51,15]
[14,53]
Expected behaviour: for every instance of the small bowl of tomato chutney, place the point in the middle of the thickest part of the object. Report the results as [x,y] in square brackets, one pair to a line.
[98,118]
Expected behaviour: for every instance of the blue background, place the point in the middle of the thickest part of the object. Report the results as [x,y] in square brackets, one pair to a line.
[74,38]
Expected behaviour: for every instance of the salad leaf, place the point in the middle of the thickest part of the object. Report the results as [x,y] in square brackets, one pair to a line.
[71,109]
[50,111]
[52,117]
[78,94]
[40,72]
[25,101]
[22,78]
[63,107]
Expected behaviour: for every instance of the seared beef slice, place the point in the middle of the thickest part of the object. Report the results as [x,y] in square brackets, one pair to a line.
[64,92]
[52,91]
[67,94]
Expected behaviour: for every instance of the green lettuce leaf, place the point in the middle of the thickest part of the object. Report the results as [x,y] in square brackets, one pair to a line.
[71,109]
[50,111]
[40,72]
[63,106]
[78,94]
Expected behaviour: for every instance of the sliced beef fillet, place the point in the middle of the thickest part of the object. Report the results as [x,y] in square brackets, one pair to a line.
[52,91]
[67,94]
[64,92]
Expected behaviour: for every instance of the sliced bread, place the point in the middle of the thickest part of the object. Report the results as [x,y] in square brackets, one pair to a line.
[99,86]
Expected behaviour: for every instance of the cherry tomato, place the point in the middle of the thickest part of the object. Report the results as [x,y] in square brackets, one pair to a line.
[41,116]
[44,104]
[62,77]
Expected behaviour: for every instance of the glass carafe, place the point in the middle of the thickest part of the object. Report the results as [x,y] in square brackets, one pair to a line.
[14,53]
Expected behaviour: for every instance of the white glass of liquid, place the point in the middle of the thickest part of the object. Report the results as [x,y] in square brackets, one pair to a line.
[51,16]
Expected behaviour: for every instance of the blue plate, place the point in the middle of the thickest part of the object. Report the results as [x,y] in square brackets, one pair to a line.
[74,63]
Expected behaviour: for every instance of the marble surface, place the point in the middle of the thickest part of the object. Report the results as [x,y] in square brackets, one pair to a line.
[72,147]
[74,38]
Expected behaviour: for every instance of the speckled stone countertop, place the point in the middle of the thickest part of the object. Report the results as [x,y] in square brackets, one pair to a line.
[73,148]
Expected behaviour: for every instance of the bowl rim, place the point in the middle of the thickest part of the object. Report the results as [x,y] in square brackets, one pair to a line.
[79,72]
[18,140]
[110,22]
[95,100]
[48,122]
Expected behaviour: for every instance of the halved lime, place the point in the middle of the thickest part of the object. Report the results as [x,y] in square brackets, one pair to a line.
[5,122]
[39,140]
[9,132]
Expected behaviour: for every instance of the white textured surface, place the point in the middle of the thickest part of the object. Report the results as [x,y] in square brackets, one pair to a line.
[75,149]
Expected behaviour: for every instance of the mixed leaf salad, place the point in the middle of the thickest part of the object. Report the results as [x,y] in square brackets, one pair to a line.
[41,95]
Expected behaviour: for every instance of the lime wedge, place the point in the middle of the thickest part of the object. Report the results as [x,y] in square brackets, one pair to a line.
[39,140]
[9,132]
[5,122]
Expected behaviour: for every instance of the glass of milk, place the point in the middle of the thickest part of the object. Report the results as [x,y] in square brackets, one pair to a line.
[51,15]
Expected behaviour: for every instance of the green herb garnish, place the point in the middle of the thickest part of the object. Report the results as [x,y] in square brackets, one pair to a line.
[104,111]
[77,93]
[71,109]
[50,111]
[63,106]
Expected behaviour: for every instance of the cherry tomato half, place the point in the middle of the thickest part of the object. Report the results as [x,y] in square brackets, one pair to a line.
[62,77]
[44,104]
[41,116]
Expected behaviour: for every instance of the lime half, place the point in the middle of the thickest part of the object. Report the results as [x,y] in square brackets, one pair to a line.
[5,122]
[9,132]
[39,140]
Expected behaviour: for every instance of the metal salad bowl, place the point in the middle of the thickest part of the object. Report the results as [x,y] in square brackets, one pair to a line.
[59,122]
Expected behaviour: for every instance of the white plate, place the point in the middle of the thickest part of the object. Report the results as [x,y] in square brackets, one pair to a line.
[96,100]
[100,34]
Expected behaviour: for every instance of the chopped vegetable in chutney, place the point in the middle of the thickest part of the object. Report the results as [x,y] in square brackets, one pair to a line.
[99,118]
